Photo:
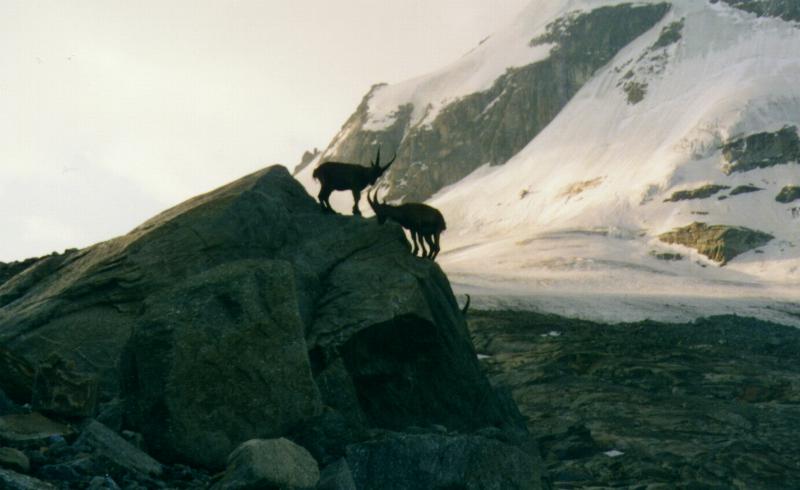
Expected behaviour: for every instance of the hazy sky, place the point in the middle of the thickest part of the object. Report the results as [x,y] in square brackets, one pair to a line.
[111,111]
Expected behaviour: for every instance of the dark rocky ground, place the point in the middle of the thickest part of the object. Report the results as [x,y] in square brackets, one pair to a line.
[713,404]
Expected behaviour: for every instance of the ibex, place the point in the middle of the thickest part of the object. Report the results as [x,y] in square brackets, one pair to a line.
[337,176]
[424,222]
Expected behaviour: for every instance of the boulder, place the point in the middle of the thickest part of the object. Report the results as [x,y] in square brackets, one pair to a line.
[115,453]
[238,314]
[14,459]
[432,461]
[269,463]
[30,430]
[11,480]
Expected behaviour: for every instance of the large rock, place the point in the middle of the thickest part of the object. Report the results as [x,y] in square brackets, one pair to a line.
[238,321]
[242,311]
[269,463]
[434,461]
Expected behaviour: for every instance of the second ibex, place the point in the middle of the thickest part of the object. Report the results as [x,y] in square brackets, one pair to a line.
[424,222]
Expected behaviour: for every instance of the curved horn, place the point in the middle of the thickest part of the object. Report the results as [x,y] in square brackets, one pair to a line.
[466,307]
[373,201]
[377,162]
[390,162]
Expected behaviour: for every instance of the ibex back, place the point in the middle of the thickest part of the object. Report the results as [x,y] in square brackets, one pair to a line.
[423,221]
[338,176]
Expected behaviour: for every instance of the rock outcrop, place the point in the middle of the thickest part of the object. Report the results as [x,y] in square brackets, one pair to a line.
[720,243]
[787,10]
[698,193]
[241,313]
[789,193]
[762,150]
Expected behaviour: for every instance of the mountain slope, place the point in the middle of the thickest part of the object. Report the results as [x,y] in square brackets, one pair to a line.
[693,121]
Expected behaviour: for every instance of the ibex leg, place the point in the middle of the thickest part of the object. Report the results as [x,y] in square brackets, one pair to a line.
[423,251]
[429,240]
[324,194]
[356,198]
[414,239]
[435,246]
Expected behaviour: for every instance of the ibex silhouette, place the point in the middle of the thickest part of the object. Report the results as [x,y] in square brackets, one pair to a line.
[424,222]
[338,176]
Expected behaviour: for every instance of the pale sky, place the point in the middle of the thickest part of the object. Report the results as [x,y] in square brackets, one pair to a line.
[111,111]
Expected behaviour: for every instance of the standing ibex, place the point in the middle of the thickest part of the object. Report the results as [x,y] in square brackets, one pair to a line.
[337,176]
[424,222]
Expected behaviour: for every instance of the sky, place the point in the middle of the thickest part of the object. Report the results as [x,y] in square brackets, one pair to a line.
[111,111]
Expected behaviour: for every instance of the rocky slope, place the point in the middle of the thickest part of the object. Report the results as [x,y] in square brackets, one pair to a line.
[250,314]
[713,404]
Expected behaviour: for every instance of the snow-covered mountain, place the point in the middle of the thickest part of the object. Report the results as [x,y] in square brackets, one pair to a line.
[610,160]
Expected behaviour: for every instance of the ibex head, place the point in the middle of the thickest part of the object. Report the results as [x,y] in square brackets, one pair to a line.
[377,208]
[377,170]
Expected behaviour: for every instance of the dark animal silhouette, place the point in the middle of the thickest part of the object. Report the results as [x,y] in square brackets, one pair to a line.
[338,176]
[424,222]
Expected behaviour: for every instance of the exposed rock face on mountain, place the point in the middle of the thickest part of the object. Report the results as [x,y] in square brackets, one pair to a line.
[762,150]
[242,312]
[785,9]
[720,243]
[491,126]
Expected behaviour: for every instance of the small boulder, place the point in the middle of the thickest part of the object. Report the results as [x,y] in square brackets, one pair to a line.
[115,452]
[11,480]
[30,430]
[268,463]
[336,476]
[14,459]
